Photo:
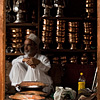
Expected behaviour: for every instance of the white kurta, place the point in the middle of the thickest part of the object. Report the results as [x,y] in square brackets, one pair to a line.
[21,71]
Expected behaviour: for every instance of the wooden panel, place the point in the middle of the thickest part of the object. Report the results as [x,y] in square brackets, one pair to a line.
[98,46]
[71,76]
[2,51]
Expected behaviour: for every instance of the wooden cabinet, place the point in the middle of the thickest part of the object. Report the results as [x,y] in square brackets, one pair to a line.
[73,12]
[2,46]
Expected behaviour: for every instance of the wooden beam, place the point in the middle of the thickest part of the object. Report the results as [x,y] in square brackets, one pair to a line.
[98,48]
[2,49]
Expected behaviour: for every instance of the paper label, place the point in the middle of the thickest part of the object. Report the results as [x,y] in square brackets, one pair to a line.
[81,85]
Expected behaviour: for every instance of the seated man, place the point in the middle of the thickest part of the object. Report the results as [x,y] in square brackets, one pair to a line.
[32,66]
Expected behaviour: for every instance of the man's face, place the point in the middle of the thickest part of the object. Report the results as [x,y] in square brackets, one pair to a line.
[29,47]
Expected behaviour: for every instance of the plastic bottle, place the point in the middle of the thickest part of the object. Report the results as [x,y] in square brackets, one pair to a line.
[81,83]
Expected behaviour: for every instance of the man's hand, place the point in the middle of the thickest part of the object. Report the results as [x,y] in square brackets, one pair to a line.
[31,61]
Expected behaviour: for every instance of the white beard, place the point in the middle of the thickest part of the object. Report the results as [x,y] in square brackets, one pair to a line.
[27,54]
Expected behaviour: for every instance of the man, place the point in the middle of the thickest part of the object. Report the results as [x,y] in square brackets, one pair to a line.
[32,66]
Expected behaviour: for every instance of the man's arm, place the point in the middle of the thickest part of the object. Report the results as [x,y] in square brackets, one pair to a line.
[42,63]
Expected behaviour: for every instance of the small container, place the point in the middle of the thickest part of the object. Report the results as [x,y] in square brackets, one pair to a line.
[81,83]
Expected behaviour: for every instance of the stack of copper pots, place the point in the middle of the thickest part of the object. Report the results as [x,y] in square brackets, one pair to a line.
[29,31]
[55,60]
[73,29]
[60,60]
[84,59]
[16,39]
[93,60]
[87,35]
[73,60]
[47,32]
[63,60]
[90,8]
[60,33]
[30,90]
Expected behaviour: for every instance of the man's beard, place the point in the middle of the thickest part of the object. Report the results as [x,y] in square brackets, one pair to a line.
[27,53]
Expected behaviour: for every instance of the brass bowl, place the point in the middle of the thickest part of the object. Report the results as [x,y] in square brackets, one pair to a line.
[16,30]
[87,24]
[46,33]
[84,57]
[73,59]
[47,28]
[90,10]
[73,40]
[46,39]
[47,22]
[89,5]
[60,22]
[29,31]
[73,24]
[71,29]
[60,33]
[87,42]
[16,45]
[60,39]
[89,1]
[16,40]
[74,35]
[88,30]
[62,26]
[59,28]
[16,34]
[87,37]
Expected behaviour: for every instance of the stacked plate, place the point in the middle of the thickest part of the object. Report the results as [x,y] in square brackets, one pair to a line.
[30,90]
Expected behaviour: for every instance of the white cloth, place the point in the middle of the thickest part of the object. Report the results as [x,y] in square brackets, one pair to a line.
[23,72]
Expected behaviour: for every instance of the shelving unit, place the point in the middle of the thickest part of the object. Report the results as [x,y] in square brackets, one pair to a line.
[66,51]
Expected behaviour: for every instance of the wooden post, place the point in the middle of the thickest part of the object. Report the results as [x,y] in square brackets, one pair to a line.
[98,48]
[2,49]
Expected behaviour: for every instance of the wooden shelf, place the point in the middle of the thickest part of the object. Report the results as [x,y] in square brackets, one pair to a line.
[71,18]
[14,54]
[66,50]
[22,24]
[56,51]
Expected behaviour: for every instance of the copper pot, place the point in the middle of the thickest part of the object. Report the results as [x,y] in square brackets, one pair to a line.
[73,29]
[89,5]
[16,40]
[60,33]
[46,33]
[60,39]
[47,28]
[73,24]
[47,22]
[89,10]
[16,34]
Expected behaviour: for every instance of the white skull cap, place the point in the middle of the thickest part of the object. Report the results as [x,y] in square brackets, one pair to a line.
[34,38]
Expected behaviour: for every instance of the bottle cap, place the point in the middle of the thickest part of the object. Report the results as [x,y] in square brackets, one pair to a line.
[81,73]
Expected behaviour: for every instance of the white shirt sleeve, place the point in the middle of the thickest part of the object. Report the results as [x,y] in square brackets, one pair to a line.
[18,59]
[44,64]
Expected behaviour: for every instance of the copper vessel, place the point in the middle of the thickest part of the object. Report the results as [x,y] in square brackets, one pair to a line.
[16,38]
[84,59]
[47,4]
[46,33]
[47,22]
[60,4]
[73,29]
[73,59]
[60,33]
[47,28]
